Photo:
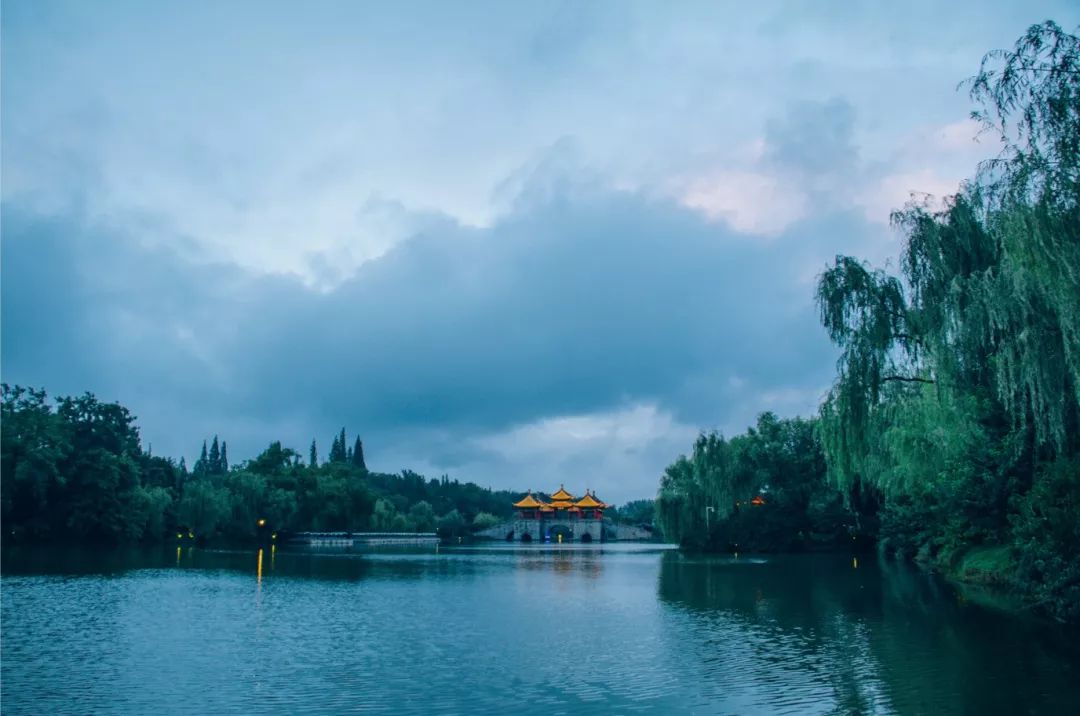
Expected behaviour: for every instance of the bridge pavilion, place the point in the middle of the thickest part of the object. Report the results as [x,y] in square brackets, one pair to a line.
[564,519]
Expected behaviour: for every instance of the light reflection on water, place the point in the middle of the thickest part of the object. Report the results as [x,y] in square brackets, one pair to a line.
[529,629]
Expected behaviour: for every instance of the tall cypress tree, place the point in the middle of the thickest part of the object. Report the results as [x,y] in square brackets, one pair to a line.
[201,463]
[313,455]
[215,458]
[358,454]
[337,450]
[224,458]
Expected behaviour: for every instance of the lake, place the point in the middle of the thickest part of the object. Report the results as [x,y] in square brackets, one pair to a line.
[544,629]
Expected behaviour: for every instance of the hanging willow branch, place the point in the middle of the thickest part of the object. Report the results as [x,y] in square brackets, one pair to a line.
[992,313]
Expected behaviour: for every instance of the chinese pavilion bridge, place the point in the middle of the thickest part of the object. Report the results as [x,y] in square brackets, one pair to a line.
[564,519]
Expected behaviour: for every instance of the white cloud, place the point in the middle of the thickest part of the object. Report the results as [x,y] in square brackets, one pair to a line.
[749,201]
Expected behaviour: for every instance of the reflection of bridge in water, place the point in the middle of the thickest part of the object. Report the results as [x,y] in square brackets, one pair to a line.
[349,539]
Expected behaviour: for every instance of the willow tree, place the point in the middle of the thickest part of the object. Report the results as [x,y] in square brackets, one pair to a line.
[1030,99]
[986,314]
[699,490]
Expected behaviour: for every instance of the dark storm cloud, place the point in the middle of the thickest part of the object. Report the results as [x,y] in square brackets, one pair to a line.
[581,300]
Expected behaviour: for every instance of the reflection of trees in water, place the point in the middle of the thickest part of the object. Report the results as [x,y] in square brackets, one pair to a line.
[883,636]
[801,621]
[943,654]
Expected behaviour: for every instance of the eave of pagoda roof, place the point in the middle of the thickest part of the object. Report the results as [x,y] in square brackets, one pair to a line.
[562,494]
[528,502]
[590,501]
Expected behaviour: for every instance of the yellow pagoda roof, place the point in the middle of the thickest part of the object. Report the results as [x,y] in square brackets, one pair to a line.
[528,502]
[562,504]
[562,494]
[589,500]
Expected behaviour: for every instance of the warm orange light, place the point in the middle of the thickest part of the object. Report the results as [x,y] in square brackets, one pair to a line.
[262,522]
[258,568]
[759,500]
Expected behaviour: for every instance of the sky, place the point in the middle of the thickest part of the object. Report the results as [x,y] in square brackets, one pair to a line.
[520,244]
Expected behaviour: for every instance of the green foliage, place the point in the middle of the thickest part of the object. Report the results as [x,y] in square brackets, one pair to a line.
[960,399]
[1046,532]
[357,455]
[706,500]
[451,524]
[77,471]
[422,516]
[337,448]
[484,520]
[635,512]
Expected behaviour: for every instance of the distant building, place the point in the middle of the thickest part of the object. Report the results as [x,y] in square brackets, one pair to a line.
[565,519]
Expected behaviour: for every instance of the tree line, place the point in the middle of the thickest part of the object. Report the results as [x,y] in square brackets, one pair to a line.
[952,430]
[74,470]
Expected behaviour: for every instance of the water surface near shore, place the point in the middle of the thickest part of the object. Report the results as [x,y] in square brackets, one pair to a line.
[544,629]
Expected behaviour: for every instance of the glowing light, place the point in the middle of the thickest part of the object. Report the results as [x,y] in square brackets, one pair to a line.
[191,535]
[179,535]
[258,567]
[261,522]
[854,562]
[178,556]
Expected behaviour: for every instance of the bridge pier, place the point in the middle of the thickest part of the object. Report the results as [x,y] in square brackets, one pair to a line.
[573,530]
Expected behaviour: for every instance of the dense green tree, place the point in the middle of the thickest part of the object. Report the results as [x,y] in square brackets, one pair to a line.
[422,516]
[32,448]
[78,472]
[765,489]
[452,524]
[274,460]
[382,517]
[358,455]
[202,465]
[635,512]
[958,387]
[214,460]
[484,520]
[337,448]
[313,455]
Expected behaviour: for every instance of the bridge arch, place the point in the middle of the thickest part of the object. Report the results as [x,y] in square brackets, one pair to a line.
[526,537]
[555,530]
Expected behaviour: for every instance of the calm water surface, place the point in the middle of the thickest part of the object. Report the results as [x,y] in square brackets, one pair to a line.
[525,629]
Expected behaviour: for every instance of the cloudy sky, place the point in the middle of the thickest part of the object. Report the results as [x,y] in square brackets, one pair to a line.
[518,243]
